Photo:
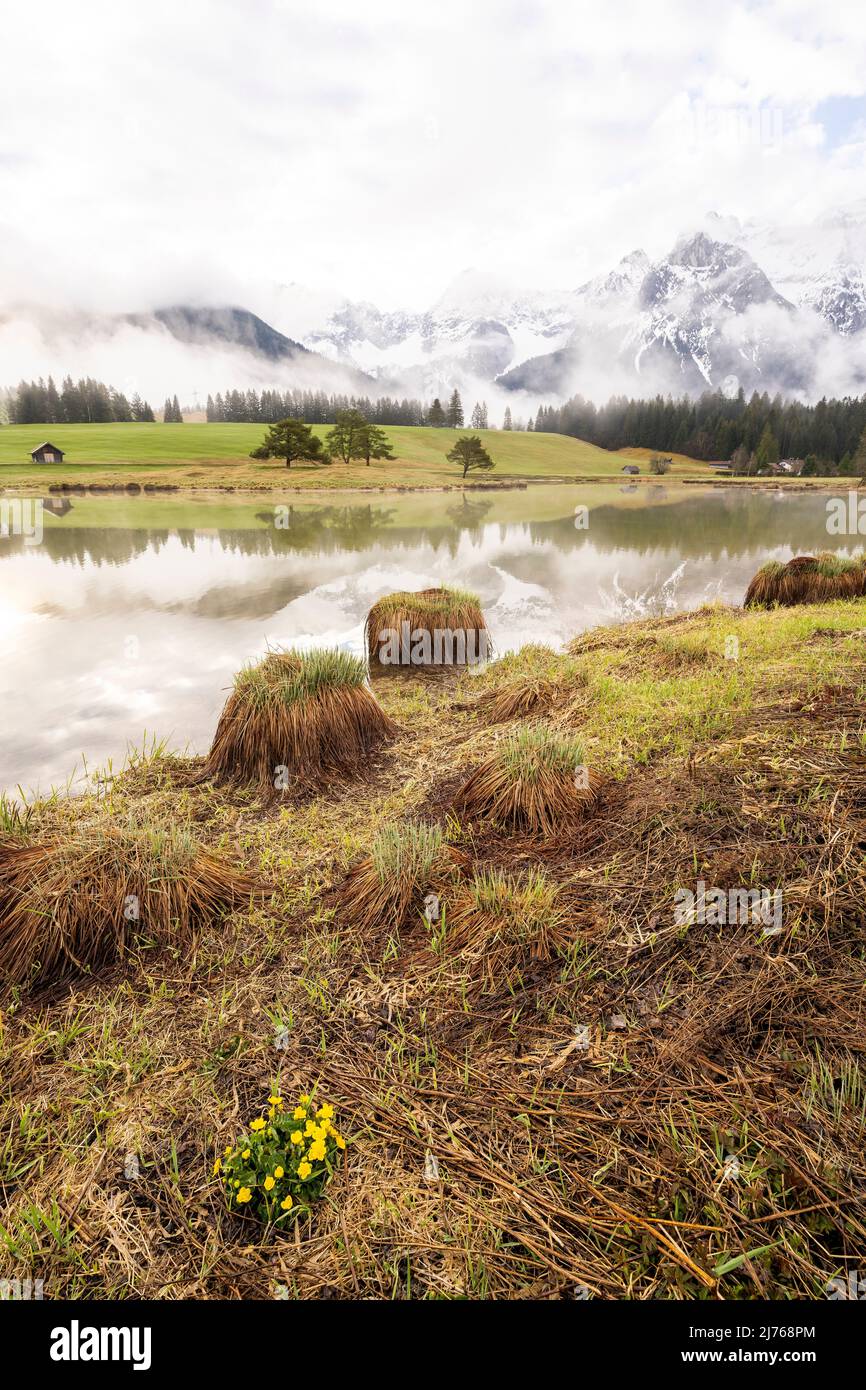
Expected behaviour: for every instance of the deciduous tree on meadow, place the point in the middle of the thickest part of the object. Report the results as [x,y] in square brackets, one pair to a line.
[347,438]
[374,443]
[471,454]
[290,440]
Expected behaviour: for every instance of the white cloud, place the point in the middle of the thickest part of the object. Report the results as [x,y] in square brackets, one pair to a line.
[215,149]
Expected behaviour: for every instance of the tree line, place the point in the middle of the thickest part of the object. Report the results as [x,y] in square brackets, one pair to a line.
[82,402]
[753,432]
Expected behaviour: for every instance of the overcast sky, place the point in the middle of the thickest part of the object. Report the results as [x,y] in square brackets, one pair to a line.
[156,151]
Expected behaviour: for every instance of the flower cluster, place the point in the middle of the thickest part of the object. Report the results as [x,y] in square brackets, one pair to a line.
[279,1169]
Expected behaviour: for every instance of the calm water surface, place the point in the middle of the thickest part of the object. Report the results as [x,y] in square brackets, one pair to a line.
[132,615]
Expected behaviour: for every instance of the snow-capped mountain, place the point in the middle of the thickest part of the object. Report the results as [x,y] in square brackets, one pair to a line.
[479,328]
[732,304]
[704,313]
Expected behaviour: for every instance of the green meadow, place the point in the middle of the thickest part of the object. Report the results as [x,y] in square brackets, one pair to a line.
[202,455]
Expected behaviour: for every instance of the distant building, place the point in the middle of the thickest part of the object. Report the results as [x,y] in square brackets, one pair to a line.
[47,453]
[791,467]
[630,468]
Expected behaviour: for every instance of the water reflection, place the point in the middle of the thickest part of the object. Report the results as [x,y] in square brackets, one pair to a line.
[134,613]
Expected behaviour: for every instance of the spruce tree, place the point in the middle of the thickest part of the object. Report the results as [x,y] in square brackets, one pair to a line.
[454,416]
[436,415]
[506,423]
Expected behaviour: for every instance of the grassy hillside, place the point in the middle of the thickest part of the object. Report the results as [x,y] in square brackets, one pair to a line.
[616,1101]
[202,455]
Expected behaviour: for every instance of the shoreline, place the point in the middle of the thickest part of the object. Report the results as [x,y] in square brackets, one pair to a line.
[135,489]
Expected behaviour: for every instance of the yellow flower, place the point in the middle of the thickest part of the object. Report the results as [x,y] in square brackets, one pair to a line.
[341,1143]
[275,1100]
[278,1172]
[297,1137]
[228,1148]
[316,1149]
[257,1124]
[299,1113]
[244,1195]
[304,1169]
[245,1154]
[218,1165]
[311,1128]
[325,1112]
[286,1202]
[269,1183]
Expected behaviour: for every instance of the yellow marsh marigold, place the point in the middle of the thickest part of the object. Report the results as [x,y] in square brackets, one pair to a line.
[296,1137]
[299,1113]
[316,1150]
[275,1100]
[257,1124]
[218,1166]
[278,1172]
[269,1183]
[325,1112]
[287,1203]
[304,1169]
[244,1195]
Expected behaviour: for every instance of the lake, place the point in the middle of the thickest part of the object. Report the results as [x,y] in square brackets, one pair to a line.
[133,614]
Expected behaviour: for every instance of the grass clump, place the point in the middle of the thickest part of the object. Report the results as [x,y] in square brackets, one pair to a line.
[807,579]
[71,906]
[303,716]
[535,780]
[433,627]
[496,909]
[405,862]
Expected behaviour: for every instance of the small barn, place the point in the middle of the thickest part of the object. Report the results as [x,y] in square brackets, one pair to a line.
[47,453]
[631,468]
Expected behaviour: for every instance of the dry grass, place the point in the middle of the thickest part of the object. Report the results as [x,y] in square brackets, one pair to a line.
[453,611]
[303,716]
[807,579]
[71,906]
[534,780]
[628,1107]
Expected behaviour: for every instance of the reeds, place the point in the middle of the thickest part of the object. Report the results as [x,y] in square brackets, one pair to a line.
[535,780]
[300,716]
[72,906]
[807,579]
[433,627]
[405,862]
